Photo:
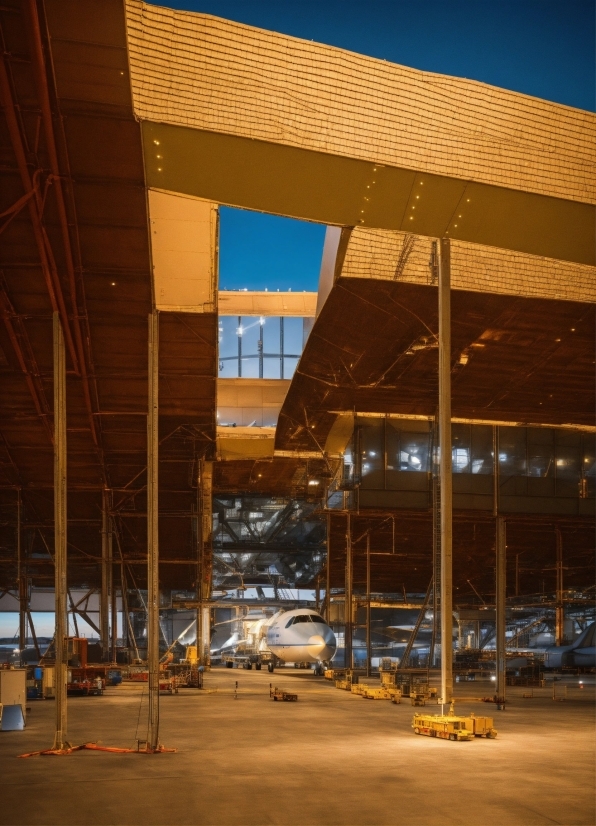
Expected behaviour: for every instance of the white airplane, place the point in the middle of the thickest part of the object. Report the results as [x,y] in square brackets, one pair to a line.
[300,636]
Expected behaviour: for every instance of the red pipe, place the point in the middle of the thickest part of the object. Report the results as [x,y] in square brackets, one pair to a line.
[46,113]
[50,274]
[8,313]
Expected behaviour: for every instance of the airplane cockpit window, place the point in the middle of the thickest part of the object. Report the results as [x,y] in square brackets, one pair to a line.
[305,618]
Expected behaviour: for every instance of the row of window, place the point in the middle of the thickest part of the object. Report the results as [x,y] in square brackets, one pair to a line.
[261,347]
[384,446]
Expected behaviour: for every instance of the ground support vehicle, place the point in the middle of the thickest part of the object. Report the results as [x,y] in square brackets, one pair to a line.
[381,693]
[277,694]
[446,727]
[483,727]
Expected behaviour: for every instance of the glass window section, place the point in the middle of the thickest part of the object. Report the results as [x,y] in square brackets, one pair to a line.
[589,457]
[228,368]
[461,448]
[290,365]
[392,440]
[271,336]
[512,451]
[293,336]
[372,453]
[568,451]
[482,449]
[251,333]
[541,452]
[250,367]
[413,451]
[271,368]
[271,346]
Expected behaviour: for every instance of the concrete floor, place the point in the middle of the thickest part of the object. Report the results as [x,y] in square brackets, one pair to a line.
[330,758]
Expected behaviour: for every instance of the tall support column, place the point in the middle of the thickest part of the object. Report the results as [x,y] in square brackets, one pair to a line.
[60,587]
[348,619]
[501,587]
[106,575]
[114,618]
[445,471]
[368,638]
[559,605]
[152,532]
[21,581]
[205,561]
[328,574]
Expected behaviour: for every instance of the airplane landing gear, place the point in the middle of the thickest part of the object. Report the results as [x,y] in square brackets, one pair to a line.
[270,667]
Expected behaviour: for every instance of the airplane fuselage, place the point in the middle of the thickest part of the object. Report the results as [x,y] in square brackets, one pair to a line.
[301,636]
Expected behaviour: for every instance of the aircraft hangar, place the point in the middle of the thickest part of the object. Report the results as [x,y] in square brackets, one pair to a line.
[406,457]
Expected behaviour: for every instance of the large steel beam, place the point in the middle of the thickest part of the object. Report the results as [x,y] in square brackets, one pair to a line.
[60,586]
[445,471]
[152,532]
[501,588]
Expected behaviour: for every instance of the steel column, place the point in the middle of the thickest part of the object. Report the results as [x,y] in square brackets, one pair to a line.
[501,588]
[22,582]
[205,561]
[152,532]
[328,574]
[559,605]
[348,620]
[60,587]
[106,575]
[368,639]
[445,471]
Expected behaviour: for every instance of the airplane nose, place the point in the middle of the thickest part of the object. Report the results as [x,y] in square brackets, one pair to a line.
[321,648]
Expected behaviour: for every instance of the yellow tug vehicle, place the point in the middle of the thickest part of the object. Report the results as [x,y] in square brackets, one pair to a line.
[452,727]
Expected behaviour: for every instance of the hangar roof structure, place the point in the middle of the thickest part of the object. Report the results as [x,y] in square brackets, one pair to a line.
[125,125]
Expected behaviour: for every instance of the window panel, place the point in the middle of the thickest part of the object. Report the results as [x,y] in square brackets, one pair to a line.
[293,336]
[228,368]
[512,451]
[271,368]
[568,462]
[372,452]
[461,448]
[414,449]
[589,458]
[228,339]
[482,449]
[290,365]
[251,331]
[250,368]
[541,451]
[271,341]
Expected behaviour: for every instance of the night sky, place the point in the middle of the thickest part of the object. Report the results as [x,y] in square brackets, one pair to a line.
[544,48]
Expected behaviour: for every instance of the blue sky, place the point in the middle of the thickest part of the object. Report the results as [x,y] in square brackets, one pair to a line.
[544,48]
